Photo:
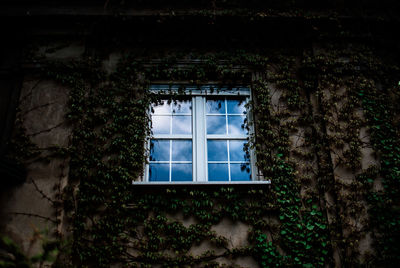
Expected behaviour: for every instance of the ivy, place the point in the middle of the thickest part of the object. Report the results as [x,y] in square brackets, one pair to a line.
[385,216]
[291,223]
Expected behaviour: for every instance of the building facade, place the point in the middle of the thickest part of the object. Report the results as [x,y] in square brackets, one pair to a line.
[170,134]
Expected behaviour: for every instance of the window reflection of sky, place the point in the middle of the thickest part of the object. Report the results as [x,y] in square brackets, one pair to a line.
[216,125]
[237,150]
[174,117]
[182,124]
[181,172]
[159,172]
[217,150]
[235,112]
[240,172]
[181,150]
[171,117]
[160,124]
[218,172]
[236,106]
[159,150]
[232,117]
[182,107]
[173,106]
[215,107]
[236,125]
[162,108]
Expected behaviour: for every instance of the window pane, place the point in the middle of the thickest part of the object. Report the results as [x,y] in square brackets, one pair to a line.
[236,106]
[236,125]
[159,172]
[159,150]
[240,172]
[216,124]
[215,106]
[160,124]
[181,172]
[218,172]
[162,108]
[181,150]
[182,124]
[172,159]
[237,150]
[182,107]
[217,150]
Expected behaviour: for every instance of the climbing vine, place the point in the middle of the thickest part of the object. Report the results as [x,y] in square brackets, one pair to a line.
[310,111]
[385,217]
[107,153]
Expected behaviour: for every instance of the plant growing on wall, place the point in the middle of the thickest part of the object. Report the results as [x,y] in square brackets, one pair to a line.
[302,139]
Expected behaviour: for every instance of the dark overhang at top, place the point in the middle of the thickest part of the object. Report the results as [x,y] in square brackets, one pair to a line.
[179,24]
[215,23]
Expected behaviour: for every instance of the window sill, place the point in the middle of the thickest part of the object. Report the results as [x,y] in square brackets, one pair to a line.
[205,183]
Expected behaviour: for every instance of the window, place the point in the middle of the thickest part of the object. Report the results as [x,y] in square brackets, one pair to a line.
[201,136]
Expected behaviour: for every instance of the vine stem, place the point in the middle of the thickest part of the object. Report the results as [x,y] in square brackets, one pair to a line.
[46,130]
[41,192]
[34,215]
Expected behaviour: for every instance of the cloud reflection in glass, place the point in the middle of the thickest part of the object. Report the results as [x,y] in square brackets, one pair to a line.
[172,117]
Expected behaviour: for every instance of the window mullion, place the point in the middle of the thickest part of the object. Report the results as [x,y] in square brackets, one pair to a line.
[227,141]
[170,144]
[229,161]
[194,138]
[170,160]
[200,139]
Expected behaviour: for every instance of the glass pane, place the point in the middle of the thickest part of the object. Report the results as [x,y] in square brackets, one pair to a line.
[182,124]
[159,150]
[181,150]
[236,106]
[182,107]
[218,172]
[159,172]
[162,108]
[160,124]
[217,150]
[215,106]
[240,172]
[216,124]
[237,151]
[181,172]
[236,125]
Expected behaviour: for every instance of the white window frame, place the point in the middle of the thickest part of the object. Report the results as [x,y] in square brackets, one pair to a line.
[199,134]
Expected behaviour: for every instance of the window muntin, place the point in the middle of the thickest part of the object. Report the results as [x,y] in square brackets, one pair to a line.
[201,138]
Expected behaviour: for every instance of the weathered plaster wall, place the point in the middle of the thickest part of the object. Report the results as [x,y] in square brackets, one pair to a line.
[28,211]
[28,208]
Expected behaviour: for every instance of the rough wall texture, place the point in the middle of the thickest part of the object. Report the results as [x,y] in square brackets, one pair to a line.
[29,214]
[43,106]
[322,173]
[28,208]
